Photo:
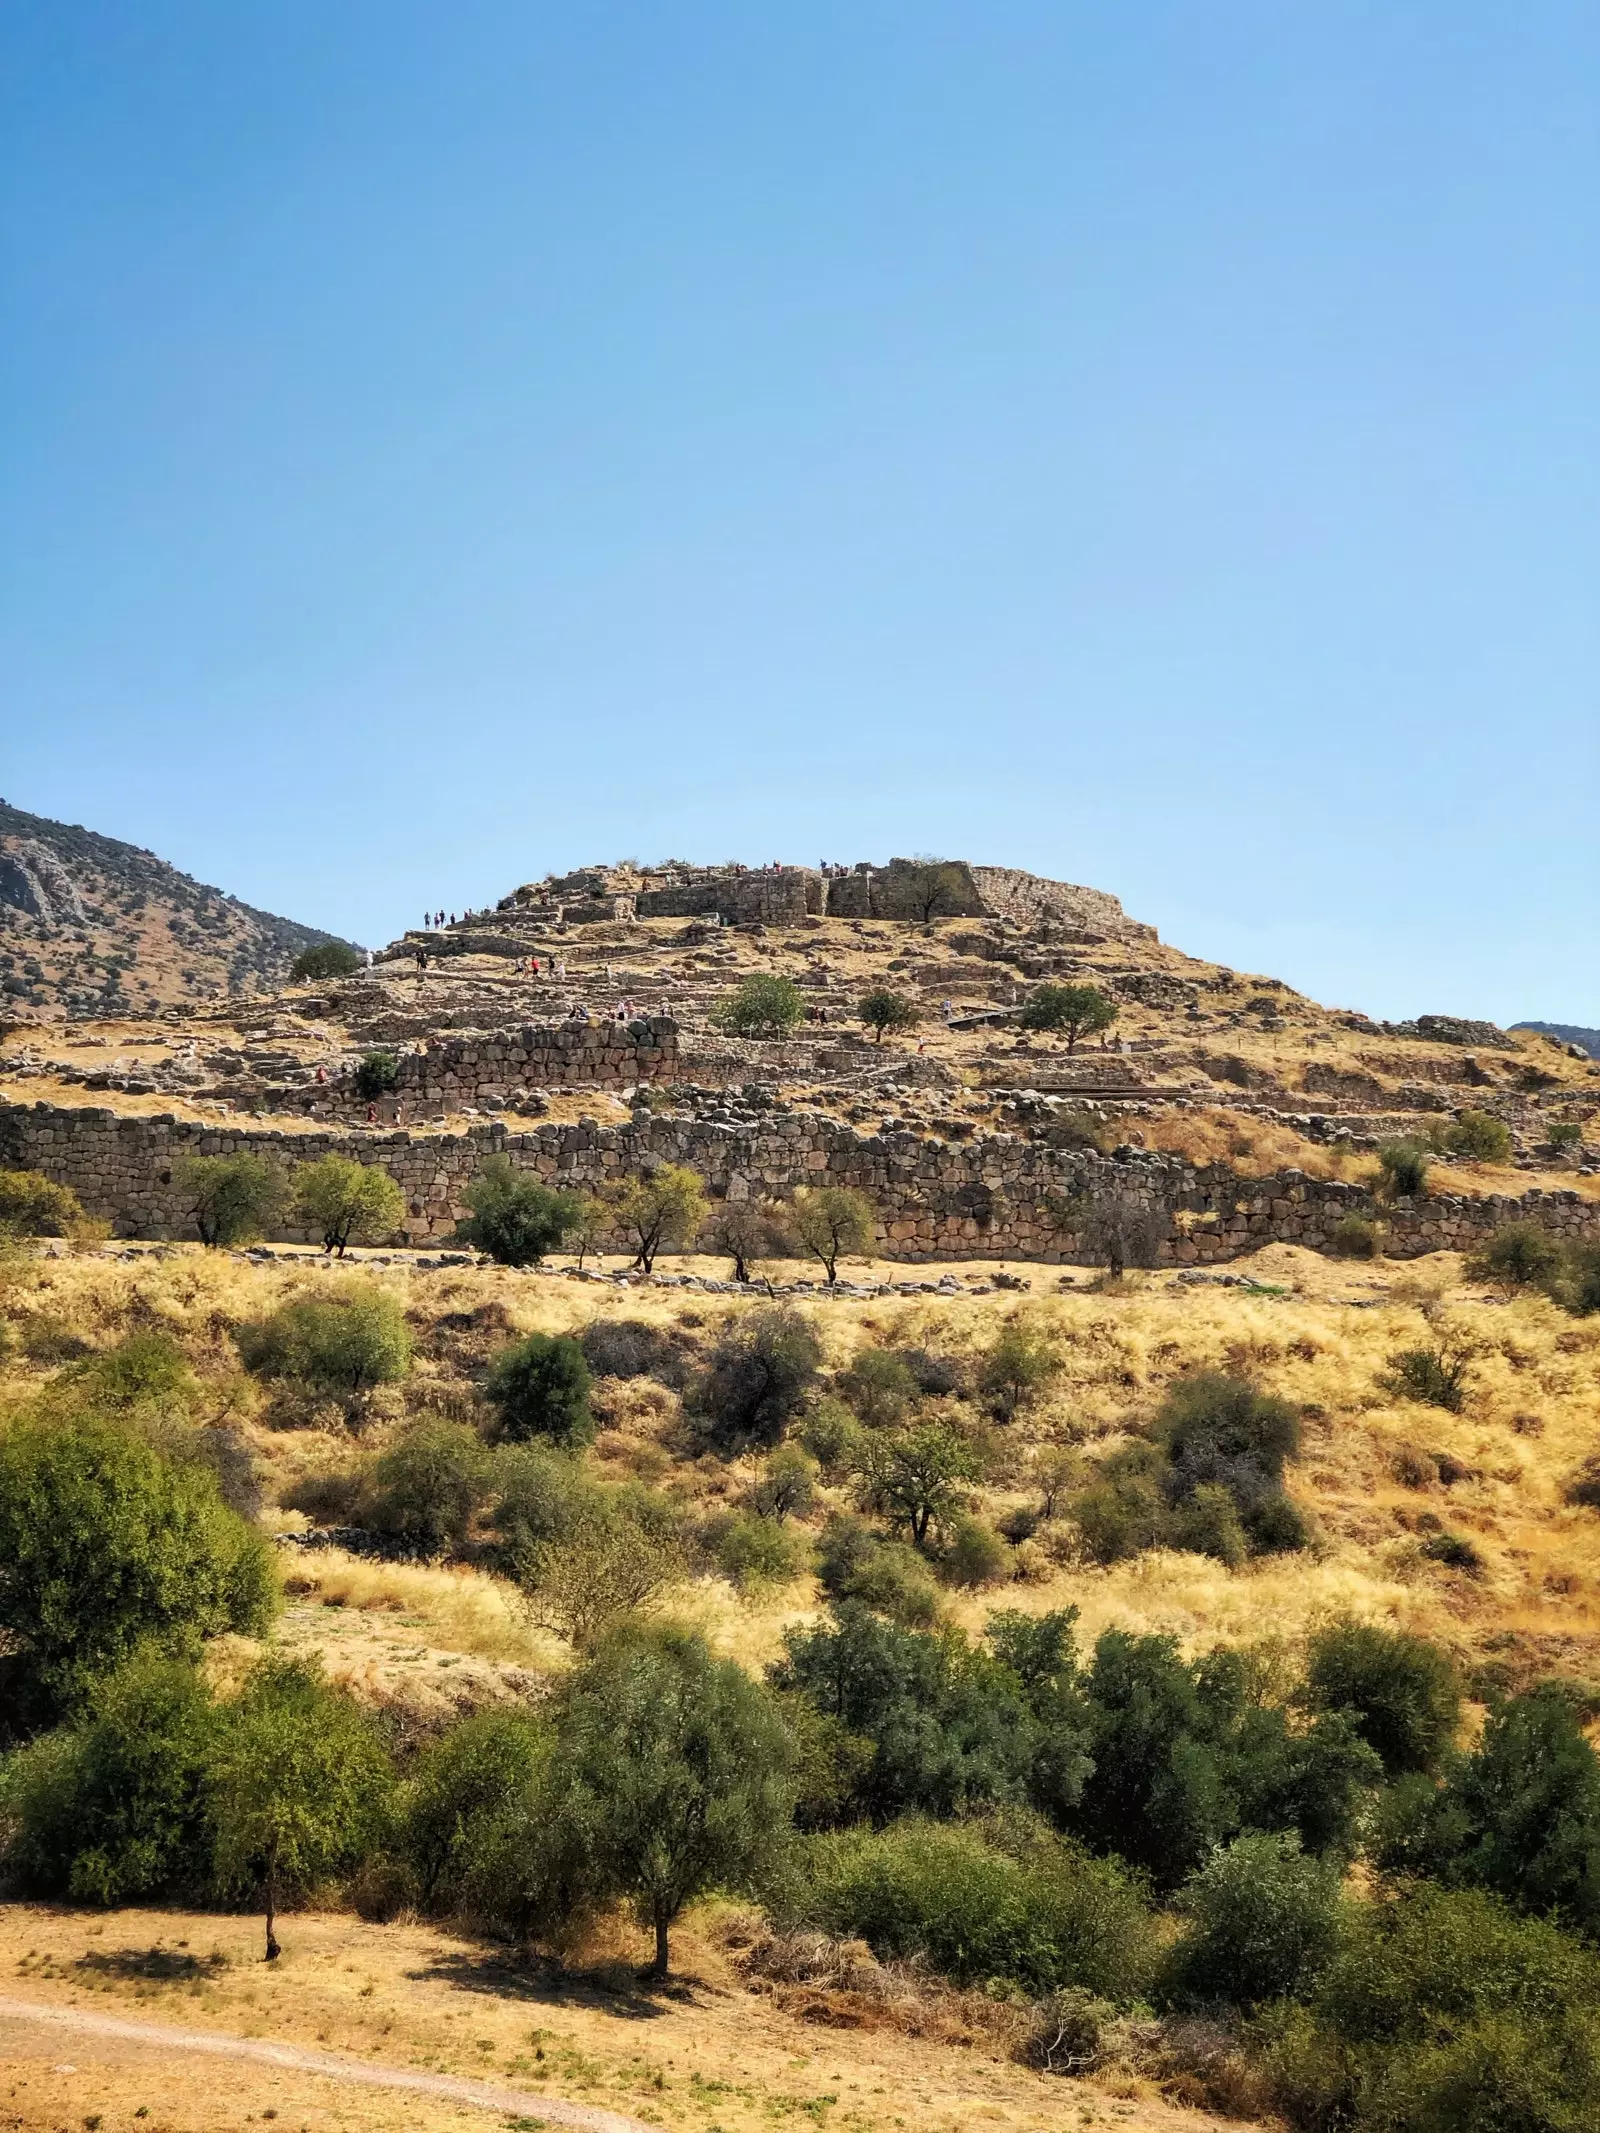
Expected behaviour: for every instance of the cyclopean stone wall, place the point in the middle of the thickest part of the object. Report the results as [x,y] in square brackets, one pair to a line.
[994,1198]
[498,1066]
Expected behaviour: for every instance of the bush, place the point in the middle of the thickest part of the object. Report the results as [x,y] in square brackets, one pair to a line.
[882,1011]
[108,1810]
[1263,1921]
[1403,1169]
[1017,1368]
[232,1199]
[514,1218]
[884,1576]
[1520,1255]
[756,1378]
[335,1347]
[1480,1137]
[1354,1237]
[878,1386]
[105,1546]
[917,1477]
[1220,1431]
[973,1912]
[662,1210]
[1578,1287]
[328,959]
[1437,1377]
[765,1005]
[607,1564]
[787,1485]
[1401,1691]
[755,1552]
[538,1495]
[345,1202]
[32,1206]
[832,1222]
[633,1348]
[1079,1010]
[463,1787]
[539,1387]
[377,1075]
[833,1437]
[430,1484]
[976,1555]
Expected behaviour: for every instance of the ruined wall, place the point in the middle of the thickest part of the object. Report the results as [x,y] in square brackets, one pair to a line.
[987,1199]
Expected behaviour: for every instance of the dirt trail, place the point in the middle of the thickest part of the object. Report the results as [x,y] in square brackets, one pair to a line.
[487,2095]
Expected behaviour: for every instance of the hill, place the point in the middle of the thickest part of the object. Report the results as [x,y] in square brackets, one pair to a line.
[1568,1033]
[94,926]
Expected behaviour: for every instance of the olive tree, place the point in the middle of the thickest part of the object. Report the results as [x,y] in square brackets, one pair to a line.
[660,1210]
[1076,1010]
[832,1221]
[345,1202]
[231,1199]
[514,1218]
[884,1011]
[764,1005]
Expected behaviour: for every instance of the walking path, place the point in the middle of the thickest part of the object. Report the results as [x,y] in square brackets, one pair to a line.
[526,2103]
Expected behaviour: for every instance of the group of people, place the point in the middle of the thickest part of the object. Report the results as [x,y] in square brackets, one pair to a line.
[554,966]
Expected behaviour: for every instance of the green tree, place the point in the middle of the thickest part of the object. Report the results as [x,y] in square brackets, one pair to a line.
[756,1377]
[539,1387]
[1480,1137]
[747,1232]
[346,1202]
[1020,1363]
[765,1005]
[590,1221]
[31,1205]
[930,889]
[1439,1376]
[231,1199]
[917,1478]
[328,959]
[1519,1255]
[879,1386]
[678,1769]
[660,1210]
[1526,1803]
[1402,1691]
[377,1075]
[1079,1010]
[429,1485]
[105,1545]
[514,1218]
[297,1787]
[336,1347]
[607,1564]
[883,1011]
[463,1785]
[1263,1921]
[787,1485]
[833,1222]
[1403,1170]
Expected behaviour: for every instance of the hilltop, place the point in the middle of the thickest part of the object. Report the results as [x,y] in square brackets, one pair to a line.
[94,926]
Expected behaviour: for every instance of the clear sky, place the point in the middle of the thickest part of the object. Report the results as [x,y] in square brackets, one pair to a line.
[1154,444]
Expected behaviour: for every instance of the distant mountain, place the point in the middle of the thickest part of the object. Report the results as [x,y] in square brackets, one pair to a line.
[1568,1032]
[96,926]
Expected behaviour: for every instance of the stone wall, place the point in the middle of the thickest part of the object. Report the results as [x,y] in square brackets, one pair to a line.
[1001,1197]
[497,1066]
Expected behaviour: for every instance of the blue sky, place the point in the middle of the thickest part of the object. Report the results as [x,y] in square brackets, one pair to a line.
[1155,445]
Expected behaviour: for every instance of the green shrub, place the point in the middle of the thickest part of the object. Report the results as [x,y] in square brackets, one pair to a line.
[514,1218]
[1262,1921]
[833,1222]
[1520,1255]
[885,1576]
[1480,1137]
[1436,1377]
[1354,1237]
[328,959]
[108,1810]
[1079,1010]
[832,1435]
[345,1202]
[1564,1134]
[462,1788]
[973,1912]
[231,1199]
[1220,1431]
[787,1485]
[882,1011]
[1207,1522]
[917,1478]
[1402,1692]
[1403,1169]
[878,1387]
[976,1555]
[104,1546]
[539,1495]
[377,1075]
[539,1387]
[756,1378]
[429,1485]
[1577,1289]
[765,1005]
[755,1552]
[1020,1364]
[335,1346]
[31,1205]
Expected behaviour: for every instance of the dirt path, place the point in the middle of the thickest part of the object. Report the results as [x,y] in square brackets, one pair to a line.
[485,2094]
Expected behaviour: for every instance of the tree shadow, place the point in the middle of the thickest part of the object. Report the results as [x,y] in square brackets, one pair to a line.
[603,1988]
[161,1966]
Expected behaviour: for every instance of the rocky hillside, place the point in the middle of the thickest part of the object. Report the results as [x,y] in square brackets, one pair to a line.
[94,926]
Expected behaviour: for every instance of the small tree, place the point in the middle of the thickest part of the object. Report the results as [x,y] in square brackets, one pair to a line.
[832,1221]
[328,959]
[377,1075]
[1263,1921]
[746,1232]
[917,1477]
[1520,1255]
[787,1486]
[338,1347]
[1078,1010]
[660,1210]
[539,1387]
[1402,1692]
[606,1565]
[879,1386]
[297,1788]
[346,1202]
[883,1011]
[1124,1227]
[1437,1376]
[429,1485]
[679,1771]
[514,1218]
[932,888]
[590,1222]
[1480,1137]
[32,1206]
[1403,1169]
[765,1005]
[757,1377]
[232,1199]
[1018,1367]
